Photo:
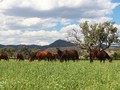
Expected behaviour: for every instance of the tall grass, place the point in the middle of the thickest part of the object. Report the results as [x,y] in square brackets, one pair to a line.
[15,75]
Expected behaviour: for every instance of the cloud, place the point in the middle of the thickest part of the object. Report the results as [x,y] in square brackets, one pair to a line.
[69,28]
[40,37]
[95,20]
[62,9]
[30,21]
[44,21]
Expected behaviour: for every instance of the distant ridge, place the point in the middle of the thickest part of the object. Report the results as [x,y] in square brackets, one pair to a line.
[57,43]
[61,43]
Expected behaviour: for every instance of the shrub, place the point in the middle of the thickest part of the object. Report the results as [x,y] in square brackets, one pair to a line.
[116,55]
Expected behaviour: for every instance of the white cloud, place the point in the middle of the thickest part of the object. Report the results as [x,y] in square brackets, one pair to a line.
[30,21]
[55,8]
[65,21]
[96,20]
[69,28]
[44,21]
[40,37]
[10,33]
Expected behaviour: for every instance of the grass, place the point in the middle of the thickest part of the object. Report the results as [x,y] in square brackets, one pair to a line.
[15,75]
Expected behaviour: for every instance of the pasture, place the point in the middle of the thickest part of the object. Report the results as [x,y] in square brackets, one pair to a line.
[43,75]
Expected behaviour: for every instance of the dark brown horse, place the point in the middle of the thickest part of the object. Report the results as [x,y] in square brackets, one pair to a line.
[100,55]
[20,57]
[42,55]
[3,56]
[67,55]
[55,56]
[32,57]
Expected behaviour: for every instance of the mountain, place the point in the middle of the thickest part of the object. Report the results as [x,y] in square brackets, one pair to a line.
[61,43]
[57,43]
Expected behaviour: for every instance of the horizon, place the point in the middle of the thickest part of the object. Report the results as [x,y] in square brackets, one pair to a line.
[35,44]
[41,22]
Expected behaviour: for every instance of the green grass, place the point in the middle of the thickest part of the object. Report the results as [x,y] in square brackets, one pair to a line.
[24,75]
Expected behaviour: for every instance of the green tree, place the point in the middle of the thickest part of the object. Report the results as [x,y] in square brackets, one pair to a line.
[10,51]
[94,34]
[24,50]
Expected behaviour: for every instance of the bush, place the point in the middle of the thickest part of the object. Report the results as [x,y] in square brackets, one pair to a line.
[116,55]
[86,56]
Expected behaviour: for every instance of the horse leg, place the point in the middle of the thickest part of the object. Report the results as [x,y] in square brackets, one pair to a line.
[61,60]
[38,58]
[73,59]
[100,61]
[7,59]
[104,61]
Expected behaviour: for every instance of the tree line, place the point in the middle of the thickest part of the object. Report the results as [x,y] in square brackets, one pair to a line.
[11,51]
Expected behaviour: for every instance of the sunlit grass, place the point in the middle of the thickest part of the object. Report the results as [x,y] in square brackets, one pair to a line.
[24,75]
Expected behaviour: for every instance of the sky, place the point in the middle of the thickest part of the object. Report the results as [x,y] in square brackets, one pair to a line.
[41,22]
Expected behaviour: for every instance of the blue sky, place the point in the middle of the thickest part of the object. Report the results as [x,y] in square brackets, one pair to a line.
[42,22]
[116,13]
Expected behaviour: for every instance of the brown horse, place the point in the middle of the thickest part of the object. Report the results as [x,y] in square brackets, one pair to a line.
[55,56]
[67,55]
[40,55]
[20,57]
[100,55]
[32,57]
[3,56]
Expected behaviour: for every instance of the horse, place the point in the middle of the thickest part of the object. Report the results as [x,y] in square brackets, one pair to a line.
[20,57]
[67,55]
[40,55]
[32,57]
[100,55]
[4,56]
[55,56]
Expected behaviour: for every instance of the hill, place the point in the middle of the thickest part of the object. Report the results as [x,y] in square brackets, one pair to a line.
[57,43]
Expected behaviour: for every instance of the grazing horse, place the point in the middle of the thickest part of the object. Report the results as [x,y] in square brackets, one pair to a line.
[67,55]
[100,55]
[60,53]
[55,56]
[20,57]
[40,55]
[32,57]
[3,56]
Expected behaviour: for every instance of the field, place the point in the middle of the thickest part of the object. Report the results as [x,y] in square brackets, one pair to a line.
[24,75]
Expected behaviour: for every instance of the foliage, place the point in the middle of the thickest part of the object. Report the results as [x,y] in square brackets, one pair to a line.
[8,50]
[96,34]
[116,55]
[42,75]
[24,50]
[86,56]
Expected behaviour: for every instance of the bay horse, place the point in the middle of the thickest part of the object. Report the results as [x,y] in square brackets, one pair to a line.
[67,55]
[100,55]
[42,55]
[32,57]
[20,57]
[4,56]
[55,56]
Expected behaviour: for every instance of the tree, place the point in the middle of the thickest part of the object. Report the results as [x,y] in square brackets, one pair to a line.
[96,35]
[24,50]
[8,50]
